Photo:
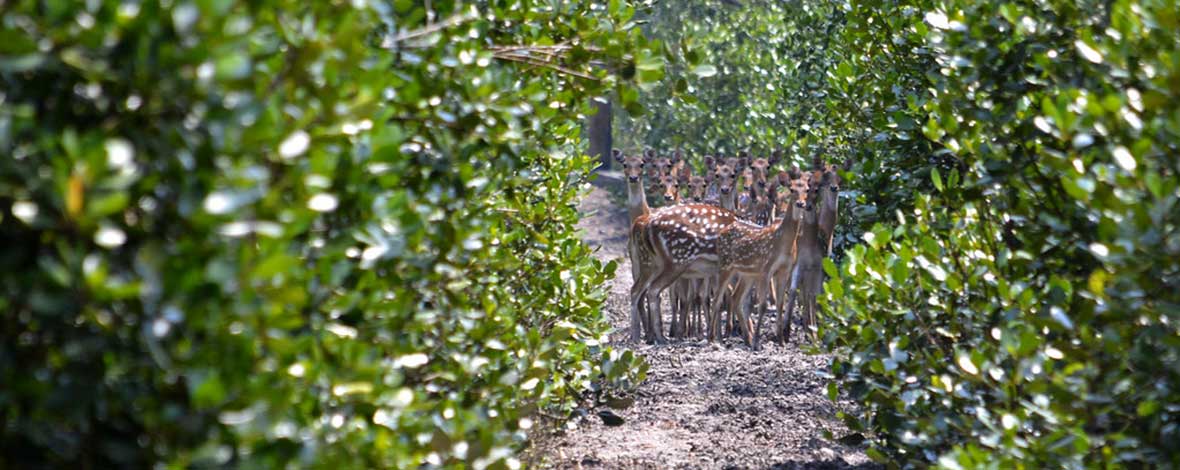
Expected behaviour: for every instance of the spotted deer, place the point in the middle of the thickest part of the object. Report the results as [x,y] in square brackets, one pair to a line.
[765,180]
[807,275]
[700,291]
[682,242]
[831,201]
[749,192]
[682,294]
[668,188]
[637,208]
[750,254]
[698,188]
[760,167]
[665,165]
[724,178]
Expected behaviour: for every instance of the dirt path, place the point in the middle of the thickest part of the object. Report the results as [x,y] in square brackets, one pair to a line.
[703,405]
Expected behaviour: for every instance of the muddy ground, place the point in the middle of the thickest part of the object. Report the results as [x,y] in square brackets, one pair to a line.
[704,405]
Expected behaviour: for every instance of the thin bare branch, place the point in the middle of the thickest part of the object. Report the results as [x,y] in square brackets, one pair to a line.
[548,65]
[454,20]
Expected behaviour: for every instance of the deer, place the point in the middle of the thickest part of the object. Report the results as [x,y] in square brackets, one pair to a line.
[682,294]
[668,188]
[749,192]
[724,178]
[667,174]
[831,201]
[698,188]
[637,208]
[724,173]
[680,242]
[807,274]
[698,293]
[665,165]
[761,168]
[750,254]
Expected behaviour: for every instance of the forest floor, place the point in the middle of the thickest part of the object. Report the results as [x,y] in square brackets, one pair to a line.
[704,405]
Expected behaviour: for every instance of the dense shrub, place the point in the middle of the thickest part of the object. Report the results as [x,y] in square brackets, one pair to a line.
[1008,293]
[304,234]
[1025,312]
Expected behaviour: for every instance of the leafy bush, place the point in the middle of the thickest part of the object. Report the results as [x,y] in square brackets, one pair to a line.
[297,234]
[1024,313]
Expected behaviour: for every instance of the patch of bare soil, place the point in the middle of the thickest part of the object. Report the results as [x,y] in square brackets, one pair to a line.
[704,405]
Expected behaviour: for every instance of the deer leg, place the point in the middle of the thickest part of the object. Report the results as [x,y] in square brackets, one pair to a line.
[674,306]
[813,307]
[700,296]
[731,292]
[794,293]
[641,290]
[743,319]
[713,312]
[811,319]
[686,307]
[780,297]
[809,306]
[761,293]
[658,286]
[724,279]
[639,307]
[638,322]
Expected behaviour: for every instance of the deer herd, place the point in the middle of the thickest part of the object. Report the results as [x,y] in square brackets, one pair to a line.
[737,229]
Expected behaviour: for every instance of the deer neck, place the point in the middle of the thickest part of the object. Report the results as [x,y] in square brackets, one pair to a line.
[729,201]
[827,215]
[636,200]
[785,233]
[807,242]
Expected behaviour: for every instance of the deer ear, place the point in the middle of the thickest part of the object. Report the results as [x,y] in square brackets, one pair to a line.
[794,173]
[775,157]
[617,154]
[648,153]
[677,156]
[710,162]
[847,164]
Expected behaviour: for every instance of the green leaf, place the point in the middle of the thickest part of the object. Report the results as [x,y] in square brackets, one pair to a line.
[704,70]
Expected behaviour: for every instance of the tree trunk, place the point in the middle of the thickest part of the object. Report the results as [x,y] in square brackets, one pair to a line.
[599,132]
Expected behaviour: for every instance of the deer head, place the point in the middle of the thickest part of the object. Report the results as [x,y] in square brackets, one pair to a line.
[759,169]
[816,180]
[669,188]
[632,166]
[738,163]
[794,201]
[833,173]
[663,165]
[698,188]
[775,157]
[725,177]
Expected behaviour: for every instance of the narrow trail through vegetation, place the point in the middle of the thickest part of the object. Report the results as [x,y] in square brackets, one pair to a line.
[704,405]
